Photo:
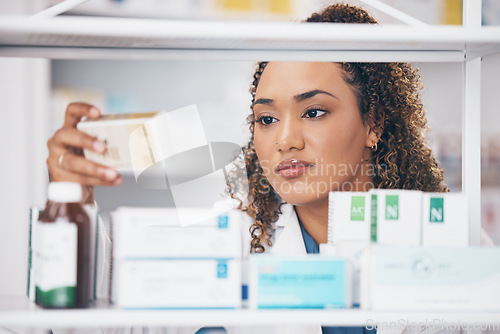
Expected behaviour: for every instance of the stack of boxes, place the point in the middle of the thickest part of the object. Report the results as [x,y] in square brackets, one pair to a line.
[399,218]
[159,263]
[410,251]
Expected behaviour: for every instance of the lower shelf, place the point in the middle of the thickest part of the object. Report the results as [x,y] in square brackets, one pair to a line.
[18,312]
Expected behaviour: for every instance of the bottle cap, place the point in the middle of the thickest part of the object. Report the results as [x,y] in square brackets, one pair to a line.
[65,192]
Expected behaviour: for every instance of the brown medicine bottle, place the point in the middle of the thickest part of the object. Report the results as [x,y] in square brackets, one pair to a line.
[62,272]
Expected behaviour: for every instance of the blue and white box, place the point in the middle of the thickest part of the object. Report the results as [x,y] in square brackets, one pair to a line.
[158,263]
[159,232]
[431,279]
[177,283]
[310,281]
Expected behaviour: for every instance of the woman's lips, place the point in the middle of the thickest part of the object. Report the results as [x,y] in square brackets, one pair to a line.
[292,168]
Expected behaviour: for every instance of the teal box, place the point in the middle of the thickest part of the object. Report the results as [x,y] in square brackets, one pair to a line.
[309,282]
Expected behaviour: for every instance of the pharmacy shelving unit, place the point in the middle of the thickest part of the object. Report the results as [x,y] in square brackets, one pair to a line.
[120,38]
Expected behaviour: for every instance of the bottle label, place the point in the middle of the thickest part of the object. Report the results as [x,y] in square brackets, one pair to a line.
[56,270]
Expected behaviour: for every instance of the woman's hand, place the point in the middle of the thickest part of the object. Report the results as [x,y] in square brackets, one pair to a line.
[66,161]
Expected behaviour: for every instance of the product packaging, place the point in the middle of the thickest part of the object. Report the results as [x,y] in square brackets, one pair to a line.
[396,217]
[64,255]
[431,279]
[352,251]
[348,216]
[445,220]
[120,133]
[139,141]
[180,283]
[159,263]
[310,281]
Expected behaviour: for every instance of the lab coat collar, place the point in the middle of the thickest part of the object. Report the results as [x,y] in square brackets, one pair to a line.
[288,238]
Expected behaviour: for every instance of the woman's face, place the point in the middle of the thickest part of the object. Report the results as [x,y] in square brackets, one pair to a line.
[309,135]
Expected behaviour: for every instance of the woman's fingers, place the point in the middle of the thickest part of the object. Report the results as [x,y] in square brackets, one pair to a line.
[71,137]
[78,169]
[76,111]
[66,161]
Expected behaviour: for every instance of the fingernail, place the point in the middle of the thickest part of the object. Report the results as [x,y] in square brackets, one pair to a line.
[118,181]
[99,146]
[94,112]
[110,174]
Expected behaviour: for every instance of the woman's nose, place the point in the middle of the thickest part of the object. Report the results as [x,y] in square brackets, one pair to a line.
[289,136]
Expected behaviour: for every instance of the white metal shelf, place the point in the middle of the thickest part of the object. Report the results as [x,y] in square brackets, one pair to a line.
[24,36]
[17,312]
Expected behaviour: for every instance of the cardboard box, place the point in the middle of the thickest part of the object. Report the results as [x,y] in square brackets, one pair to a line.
[432,279]
[397,220]
[348,216]
[310,281]
[140,141]
[158,232]
[445,220]
[180,283]
[352,251]
[159,263]
[121,133]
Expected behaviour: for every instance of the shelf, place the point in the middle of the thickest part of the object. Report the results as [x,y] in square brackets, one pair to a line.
[19,312]
[91,37]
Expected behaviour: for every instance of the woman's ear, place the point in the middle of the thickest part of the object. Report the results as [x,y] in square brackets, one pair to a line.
[373,133]
[372,138]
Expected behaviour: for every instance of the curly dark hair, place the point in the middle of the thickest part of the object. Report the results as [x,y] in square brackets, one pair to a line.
[388,96]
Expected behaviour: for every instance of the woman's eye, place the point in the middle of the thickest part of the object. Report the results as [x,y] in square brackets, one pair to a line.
[314,113]
[266,120]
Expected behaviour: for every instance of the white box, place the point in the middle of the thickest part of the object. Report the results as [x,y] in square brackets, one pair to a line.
[177,283]
[142,141]
[309,281]
[398,218]
[348,216]
[353,250]
[433,279]
[445,220]
[158,232]
[120,132]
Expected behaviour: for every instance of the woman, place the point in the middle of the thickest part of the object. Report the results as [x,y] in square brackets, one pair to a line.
[316,128]
[321,127]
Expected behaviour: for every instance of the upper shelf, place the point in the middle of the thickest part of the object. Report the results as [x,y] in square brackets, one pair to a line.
[97,37]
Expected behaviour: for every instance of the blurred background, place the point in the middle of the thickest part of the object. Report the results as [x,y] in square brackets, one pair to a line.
[35,93]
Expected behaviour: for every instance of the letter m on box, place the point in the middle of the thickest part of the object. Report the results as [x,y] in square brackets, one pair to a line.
[436,210]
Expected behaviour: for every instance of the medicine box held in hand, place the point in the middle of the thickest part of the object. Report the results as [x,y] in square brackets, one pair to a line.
[140,141]
[310,281]
[116,131]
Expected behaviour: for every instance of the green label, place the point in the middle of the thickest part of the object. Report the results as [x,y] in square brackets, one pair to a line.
[64,297]
[373,223]
[436,214]
[391,207]
[358,208]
